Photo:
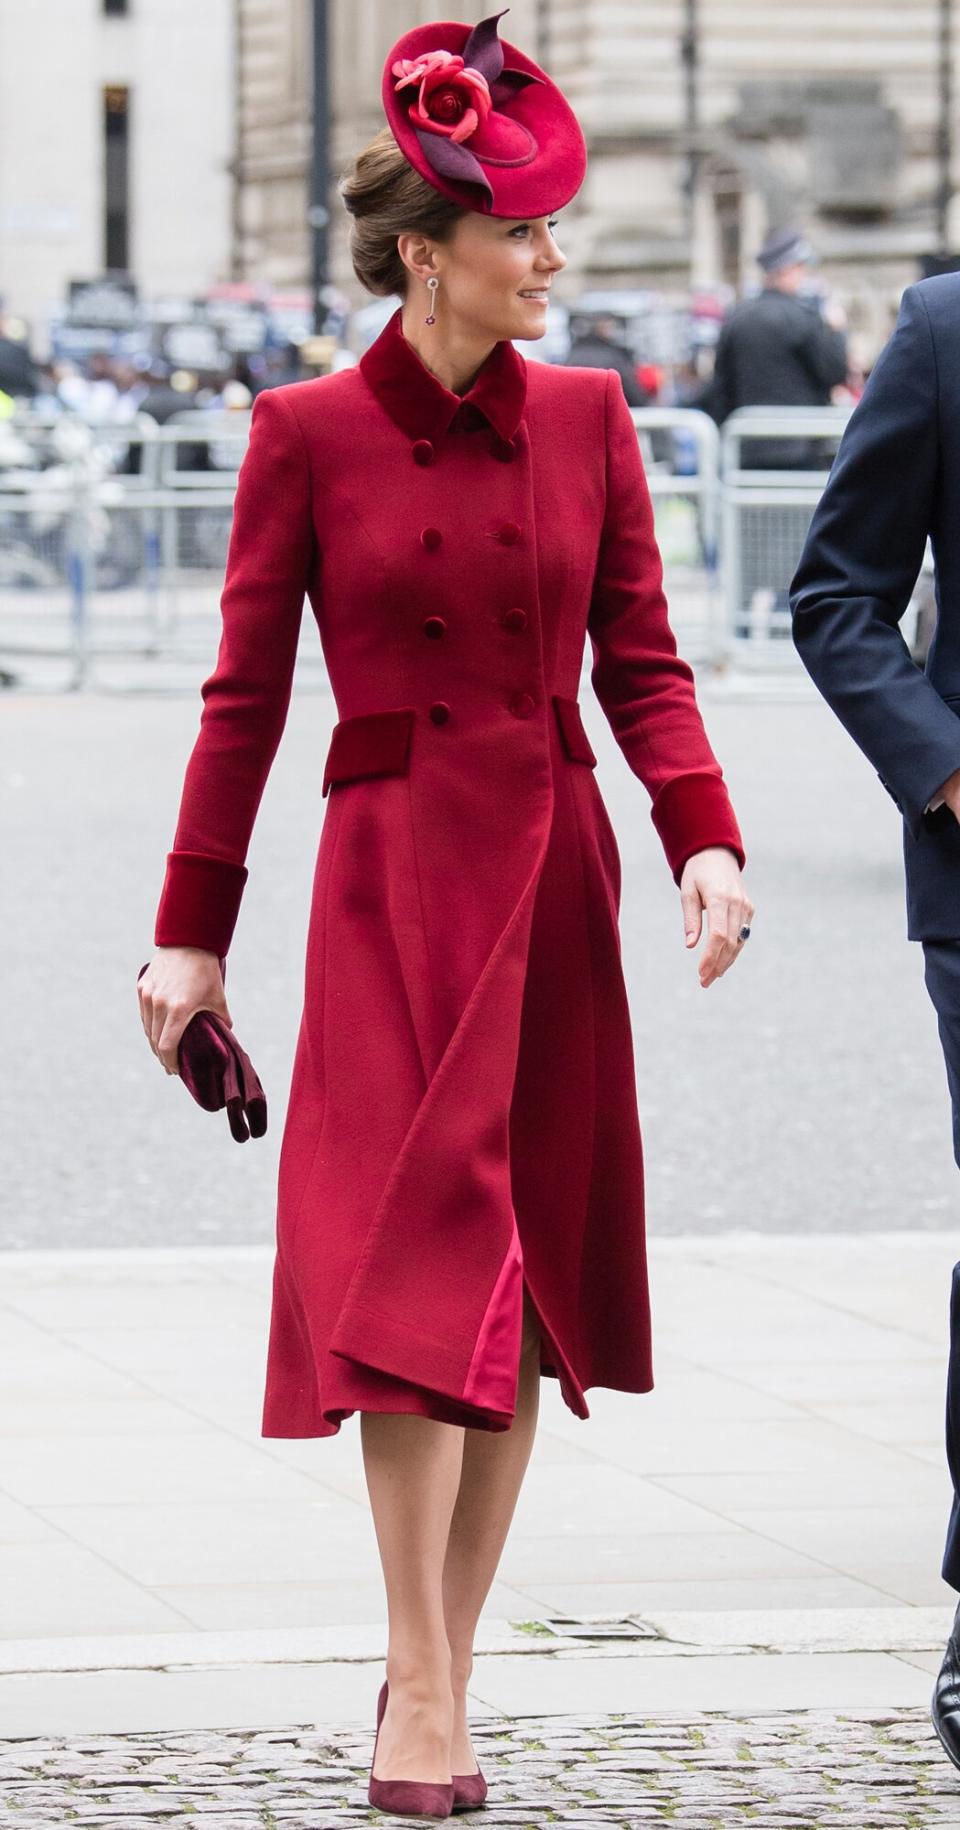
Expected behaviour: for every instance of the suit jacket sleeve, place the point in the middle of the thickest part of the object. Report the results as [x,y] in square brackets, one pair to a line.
[646,691]
[245,699]
[859,566]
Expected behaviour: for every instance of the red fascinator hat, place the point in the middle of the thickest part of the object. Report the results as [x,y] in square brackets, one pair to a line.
[481,122]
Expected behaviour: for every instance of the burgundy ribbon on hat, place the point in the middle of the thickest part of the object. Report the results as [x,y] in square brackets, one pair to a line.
[218,1072]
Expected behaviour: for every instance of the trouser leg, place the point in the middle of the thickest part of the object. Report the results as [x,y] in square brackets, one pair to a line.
[942,974]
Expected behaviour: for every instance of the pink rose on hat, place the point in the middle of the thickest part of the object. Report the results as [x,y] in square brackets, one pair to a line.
[453,99]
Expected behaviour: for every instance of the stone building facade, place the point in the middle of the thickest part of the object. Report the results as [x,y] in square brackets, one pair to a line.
[116,142]
[818,111]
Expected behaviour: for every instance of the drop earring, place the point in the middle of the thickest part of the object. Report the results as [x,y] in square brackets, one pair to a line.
[433,283]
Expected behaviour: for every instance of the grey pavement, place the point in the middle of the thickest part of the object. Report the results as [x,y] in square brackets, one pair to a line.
[803,1093]
[762,1531]
[720,1603]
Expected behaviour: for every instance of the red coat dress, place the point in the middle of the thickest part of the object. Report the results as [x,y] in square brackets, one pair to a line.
[462,1114]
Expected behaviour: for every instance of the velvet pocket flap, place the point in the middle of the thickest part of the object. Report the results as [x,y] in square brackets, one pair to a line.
[372,743]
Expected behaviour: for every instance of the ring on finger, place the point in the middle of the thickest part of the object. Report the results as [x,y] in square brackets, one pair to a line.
[744,934]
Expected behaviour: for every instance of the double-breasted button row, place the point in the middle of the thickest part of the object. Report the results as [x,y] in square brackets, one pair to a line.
[422,451]
[513,620]
[508,533]
[522,705]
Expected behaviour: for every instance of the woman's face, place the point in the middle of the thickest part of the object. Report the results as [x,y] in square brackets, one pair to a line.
[495,275]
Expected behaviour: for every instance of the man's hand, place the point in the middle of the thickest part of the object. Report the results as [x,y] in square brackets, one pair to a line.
[711,881]
[950,792]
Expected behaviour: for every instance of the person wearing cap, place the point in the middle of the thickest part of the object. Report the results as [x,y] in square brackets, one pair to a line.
[779,349]
[892,488]
[460,1201]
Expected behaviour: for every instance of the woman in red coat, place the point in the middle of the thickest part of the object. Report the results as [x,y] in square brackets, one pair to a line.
[460,1203]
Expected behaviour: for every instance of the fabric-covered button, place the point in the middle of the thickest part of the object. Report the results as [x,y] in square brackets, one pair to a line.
[440,712]
[504,449]
[522,705]
[423,451]
[434,627]
[509,533]
[514,619]
[431,537]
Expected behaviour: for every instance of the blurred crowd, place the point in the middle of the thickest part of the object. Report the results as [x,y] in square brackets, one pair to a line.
[108,389]
[783,344]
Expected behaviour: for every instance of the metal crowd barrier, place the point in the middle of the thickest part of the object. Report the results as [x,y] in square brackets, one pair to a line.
[113,538]
[680,448]
[766,510]
[113,543]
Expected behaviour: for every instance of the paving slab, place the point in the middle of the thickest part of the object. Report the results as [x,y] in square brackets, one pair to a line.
[756,1532]
[132,1452]
[752,1661]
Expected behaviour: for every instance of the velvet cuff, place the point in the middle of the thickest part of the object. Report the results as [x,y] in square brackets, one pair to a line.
[692,812]
[200,902]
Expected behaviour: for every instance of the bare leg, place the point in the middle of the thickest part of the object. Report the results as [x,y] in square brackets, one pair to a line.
[494,1464]
[413,1467]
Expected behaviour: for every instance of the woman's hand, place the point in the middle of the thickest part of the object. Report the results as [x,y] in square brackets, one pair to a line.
[711,881]
[178,982]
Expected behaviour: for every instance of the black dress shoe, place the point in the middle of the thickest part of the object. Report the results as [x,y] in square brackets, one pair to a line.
[945,1708]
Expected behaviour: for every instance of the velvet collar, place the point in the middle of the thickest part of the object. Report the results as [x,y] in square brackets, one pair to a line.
[420,404]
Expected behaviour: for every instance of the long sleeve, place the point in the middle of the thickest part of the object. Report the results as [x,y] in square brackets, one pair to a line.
[825,352]
[646,691]
[245,699]
[718,397]
[859,566]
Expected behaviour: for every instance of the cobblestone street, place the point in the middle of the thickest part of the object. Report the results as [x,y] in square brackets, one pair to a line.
[869,1771]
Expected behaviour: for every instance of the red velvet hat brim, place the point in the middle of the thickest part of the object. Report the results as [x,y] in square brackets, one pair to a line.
[553,165]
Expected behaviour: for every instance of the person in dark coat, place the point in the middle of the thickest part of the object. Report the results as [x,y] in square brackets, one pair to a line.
[596,345]
[460,1202]
[894,484]
[18,372]
[779,349]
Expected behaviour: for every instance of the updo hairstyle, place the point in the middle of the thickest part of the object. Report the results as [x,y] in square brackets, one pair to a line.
[386,198]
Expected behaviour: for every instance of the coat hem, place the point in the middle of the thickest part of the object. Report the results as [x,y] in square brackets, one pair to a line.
[332,1416]
[388,1344]
[425,1404]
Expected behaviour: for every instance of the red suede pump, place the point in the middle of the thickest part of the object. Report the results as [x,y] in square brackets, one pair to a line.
[407,1797]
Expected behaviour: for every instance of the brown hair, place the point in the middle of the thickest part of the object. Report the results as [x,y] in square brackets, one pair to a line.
[387,198]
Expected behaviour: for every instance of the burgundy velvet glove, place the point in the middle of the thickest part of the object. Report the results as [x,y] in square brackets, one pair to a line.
[218,1072]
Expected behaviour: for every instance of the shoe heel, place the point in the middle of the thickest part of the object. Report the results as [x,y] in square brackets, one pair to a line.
[469,1791]
[406,1797]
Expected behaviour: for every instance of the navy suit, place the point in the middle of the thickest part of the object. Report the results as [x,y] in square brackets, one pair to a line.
[896,480]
